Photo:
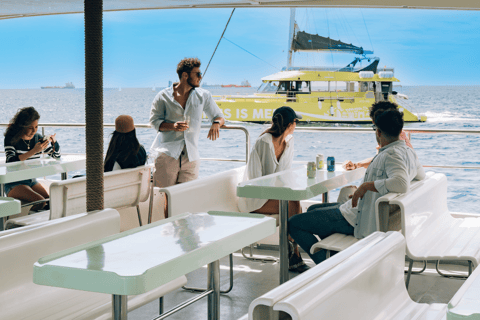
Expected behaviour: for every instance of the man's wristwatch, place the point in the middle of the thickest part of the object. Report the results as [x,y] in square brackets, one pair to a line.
[216,121]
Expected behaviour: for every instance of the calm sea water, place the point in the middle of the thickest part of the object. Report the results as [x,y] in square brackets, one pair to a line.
[446,108]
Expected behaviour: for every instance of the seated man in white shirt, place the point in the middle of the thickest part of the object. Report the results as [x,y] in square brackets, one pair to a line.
[392,170]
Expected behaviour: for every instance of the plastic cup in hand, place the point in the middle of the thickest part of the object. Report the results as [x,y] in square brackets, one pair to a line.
[187,121]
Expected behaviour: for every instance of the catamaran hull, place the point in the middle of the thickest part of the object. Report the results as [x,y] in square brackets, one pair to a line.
[323,109]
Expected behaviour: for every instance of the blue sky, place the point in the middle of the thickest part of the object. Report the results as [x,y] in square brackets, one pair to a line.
[142,48]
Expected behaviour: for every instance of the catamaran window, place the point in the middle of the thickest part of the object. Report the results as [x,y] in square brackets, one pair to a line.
[267,87]
[366,86]
[305,87]
[352,86]
[340,86]
[320,86]
[286,86]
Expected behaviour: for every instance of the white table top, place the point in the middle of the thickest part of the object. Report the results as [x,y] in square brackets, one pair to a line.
[9,206]
[293,184]
[139,260]
[28,169]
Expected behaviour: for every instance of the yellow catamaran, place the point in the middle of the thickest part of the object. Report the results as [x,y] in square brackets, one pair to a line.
[342,95]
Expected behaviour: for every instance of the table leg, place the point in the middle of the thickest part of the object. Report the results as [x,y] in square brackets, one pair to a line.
[214,284]
[119,307]
[325,197]
[283,241]
[2,194]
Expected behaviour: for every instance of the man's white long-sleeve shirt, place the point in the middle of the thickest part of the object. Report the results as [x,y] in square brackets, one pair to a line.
[166,109]
[392,170]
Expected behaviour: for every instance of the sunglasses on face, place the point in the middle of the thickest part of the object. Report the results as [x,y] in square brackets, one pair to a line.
[374,127]
[199,74]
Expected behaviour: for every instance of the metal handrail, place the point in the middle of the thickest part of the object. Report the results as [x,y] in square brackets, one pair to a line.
[147,126]
[298,129]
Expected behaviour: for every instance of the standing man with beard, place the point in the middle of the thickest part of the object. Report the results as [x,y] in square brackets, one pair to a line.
[176,115]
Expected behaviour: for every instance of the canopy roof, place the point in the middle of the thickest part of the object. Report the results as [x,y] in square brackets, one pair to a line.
[305,75]
[24,8]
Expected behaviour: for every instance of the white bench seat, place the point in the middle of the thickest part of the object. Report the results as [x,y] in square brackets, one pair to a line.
[21,248]
[465,304]
[386,220]
[363,285]
[430,230]
[263,307]
[122,188]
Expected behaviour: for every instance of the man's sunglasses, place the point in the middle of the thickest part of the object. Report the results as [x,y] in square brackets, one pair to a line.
[199,74]
[374,127]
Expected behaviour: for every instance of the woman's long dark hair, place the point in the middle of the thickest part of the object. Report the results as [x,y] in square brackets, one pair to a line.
[20,122]
[121,146]
[278,127]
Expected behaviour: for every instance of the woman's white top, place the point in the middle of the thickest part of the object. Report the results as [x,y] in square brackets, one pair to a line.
[263,161]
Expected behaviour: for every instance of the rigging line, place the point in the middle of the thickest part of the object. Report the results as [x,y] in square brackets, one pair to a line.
[367,30]
[251,53]
[218,43]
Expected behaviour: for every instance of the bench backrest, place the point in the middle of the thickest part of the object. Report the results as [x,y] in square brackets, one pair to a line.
[358,288]
[214,193]
[423,206]
[388,215]
[262,307]
[20,250]
[122,188]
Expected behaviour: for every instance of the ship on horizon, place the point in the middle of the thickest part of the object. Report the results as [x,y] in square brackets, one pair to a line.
[244,84]
[68,85]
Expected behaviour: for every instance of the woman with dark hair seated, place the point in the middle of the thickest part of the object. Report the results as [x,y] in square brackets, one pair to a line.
[124,150]
[273,152]
[22,142]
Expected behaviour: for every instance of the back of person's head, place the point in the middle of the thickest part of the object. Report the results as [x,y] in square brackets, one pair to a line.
[187,65]
[124,142]
[381,105]
[20,122]
[281,119]
[389,122]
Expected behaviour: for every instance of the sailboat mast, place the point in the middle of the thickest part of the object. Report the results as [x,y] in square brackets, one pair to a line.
[290,38]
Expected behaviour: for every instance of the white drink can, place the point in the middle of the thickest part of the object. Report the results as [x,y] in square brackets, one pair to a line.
[319,161]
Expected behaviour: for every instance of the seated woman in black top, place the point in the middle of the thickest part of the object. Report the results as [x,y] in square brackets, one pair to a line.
[22,142]
[124,150]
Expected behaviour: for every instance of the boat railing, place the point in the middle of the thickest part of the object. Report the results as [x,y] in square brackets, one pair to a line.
[147,126]
[409,132]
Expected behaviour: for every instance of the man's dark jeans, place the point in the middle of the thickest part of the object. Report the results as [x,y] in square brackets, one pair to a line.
[322,219]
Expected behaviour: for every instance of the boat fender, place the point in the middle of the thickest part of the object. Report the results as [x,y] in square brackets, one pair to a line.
[331,110]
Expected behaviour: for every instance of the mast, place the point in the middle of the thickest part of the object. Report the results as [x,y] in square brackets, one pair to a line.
[291,36]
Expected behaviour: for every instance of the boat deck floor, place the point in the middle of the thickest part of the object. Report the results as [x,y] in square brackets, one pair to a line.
[253,279]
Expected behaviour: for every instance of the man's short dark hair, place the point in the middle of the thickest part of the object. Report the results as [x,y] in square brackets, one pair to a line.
[382,105]
[187,65]
[390,122]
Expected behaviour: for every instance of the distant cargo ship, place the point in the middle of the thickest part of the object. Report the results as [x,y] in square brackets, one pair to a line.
[245,84]
[68,85]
